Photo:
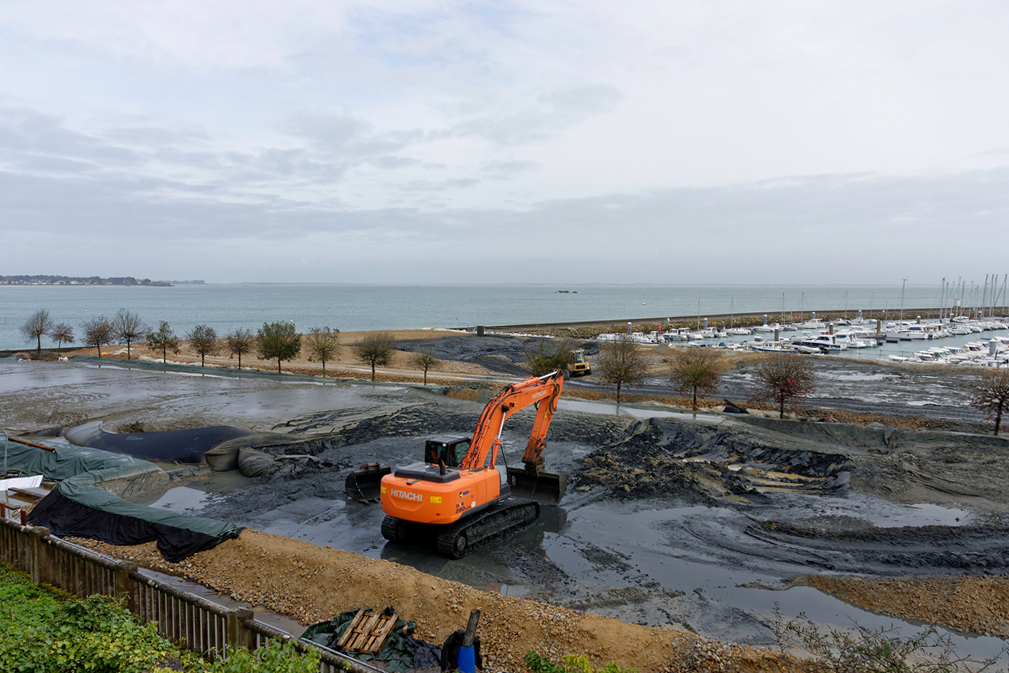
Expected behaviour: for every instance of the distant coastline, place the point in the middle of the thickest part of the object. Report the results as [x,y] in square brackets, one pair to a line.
[43,279]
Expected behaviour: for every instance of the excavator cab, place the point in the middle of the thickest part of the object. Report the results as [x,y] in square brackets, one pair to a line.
[449,449]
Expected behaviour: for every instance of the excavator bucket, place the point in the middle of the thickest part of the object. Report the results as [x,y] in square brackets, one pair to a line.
[365,484]
[542,486]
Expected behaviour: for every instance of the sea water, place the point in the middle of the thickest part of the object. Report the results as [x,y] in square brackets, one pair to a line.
[226,307]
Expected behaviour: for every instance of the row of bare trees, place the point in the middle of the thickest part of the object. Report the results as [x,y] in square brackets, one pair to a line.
[622,362]
[787,377]
[97,332]
[278,341]
[780,379]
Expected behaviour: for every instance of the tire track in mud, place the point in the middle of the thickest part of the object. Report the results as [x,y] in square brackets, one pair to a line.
[979,549]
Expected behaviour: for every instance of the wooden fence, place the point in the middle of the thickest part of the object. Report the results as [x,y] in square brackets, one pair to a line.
[204,626]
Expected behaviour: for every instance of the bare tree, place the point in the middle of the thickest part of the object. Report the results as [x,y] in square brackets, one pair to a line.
[129,328]
[239,343]
[546,355]
[424,359]
[323,344]
[98,332]
[783,378]
[203,340]
[694,369]
[622,363]
[163,340]
[375,349]
[36,327]
[278,340]
[991,393]
[62,333]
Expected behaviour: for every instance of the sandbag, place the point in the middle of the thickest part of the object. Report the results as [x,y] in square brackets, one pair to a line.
[253,463]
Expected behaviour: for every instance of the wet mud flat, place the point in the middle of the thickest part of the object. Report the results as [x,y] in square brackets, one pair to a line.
[666,522]
[680,523]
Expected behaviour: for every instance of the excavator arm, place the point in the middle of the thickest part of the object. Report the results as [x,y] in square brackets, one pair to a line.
[544,391]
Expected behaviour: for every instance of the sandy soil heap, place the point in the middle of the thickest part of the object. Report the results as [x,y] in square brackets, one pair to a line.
[314,584]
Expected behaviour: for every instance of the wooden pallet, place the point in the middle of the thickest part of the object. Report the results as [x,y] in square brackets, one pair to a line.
[32,494]
[367,632]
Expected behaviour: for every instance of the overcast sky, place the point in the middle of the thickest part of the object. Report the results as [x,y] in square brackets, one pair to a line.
[415,141]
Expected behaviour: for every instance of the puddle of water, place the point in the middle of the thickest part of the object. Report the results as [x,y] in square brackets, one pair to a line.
[855,376]
[704,551]
[632,410]
[182,499]
[927,515]
[195,494]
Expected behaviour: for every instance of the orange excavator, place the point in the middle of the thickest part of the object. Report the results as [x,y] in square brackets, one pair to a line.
[455,499]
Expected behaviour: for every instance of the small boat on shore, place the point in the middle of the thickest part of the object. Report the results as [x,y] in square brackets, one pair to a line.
[825,342]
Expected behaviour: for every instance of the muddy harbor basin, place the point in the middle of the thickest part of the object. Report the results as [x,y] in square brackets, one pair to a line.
[668,520]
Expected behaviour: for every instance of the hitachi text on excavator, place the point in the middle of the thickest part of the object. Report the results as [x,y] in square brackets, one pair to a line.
[456,499]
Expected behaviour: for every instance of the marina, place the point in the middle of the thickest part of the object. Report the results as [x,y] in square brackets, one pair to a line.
[967,342]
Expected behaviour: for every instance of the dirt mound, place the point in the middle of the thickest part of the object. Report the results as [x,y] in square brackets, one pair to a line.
[314,584]
[662,459]
[976,604]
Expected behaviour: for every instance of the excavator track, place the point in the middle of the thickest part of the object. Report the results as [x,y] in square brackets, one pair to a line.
[456,540]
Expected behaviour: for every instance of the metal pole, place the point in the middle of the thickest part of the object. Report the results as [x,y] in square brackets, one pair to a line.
[902,285]
[942,297]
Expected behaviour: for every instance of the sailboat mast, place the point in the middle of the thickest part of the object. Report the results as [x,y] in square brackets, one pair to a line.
[902,285]
[962,285]
[942,297]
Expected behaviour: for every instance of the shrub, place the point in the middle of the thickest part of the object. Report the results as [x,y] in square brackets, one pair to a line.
[865,650]
[276,657]
[45,631]
[572,663]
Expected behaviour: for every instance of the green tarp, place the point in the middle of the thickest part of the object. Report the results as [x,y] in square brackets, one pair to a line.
[94,478]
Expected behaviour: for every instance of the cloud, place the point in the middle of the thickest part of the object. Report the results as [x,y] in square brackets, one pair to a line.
[504,170]
[585,99]
[393,163]
[428,186]
[667,142]
[827,229]
[537,121]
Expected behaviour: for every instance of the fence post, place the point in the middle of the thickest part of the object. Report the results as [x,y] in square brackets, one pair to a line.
[126,588]
[238,635]
[38,555]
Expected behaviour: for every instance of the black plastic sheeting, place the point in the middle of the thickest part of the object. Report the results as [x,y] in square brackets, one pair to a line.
[170,446]
[62,516]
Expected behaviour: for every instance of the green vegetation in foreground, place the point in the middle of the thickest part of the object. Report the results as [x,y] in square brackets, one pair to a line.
[571,663]
[43,630]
